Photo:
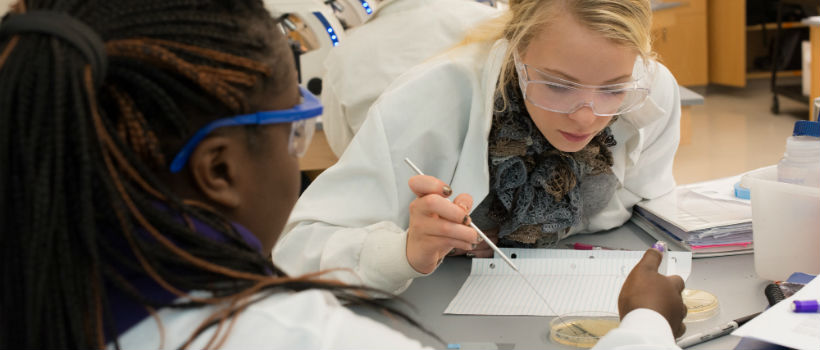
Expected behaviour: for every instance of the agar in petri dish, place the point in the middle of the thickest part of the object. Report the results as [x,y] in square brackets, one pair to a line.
[700,305]
[582,329]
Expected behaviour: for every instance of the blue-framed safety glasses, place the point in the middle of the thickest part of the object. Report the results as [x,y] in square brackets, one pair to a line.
[302,118]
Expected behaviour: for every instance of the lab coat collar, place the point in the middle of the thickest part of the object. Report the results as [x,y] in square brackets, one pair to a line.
[476,159]
[645,115]
[629,131]
[632,146]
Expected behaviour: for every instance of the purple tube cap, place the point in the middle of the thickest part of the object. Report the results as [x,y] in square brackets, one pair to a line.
[805,306]
[660,246]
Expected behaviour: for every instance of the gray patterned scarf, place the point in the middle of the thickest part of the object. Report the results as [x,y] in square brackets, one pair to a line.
[537,191]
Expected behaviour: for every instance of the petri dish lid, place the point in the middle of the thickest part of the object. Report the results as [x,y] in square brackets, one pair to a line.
[582,329]
[700,305]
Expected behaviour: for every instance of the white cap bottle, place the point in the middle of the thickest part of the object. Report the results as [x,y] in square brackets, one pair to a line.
[801,162]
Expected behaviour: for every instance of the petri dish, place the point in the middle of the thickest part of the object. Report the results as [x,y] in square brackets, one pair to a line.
[582,329]
[700,305]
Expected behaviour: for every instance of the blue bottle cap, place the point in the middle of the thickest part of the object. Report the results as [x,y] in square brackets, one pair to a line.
[742,192]
[805,306]
[806,128]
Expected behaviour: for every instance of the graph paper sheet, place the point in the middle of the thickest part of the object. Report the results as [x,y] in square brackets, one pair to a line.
[570,280]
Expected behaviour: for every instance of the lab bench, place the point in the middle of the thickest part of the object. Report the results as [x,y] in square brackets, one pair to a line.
[730,278]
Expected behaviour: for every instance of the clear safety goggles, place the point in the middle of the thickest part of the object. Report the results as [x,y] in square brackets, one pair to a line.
[559,95]
[302,118]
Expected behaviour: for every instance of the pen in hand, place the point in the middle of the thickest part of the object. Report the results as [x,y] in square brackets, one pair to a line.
[478,230]
[716,332]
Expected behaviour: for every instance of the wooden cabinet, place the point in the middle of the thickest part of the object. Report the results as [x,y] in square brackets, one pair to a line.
[680,39]
[727,42]
[319,156]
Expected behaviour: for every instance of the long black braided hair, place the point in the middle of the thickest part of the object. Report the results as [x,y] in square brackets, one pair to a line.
[79,166]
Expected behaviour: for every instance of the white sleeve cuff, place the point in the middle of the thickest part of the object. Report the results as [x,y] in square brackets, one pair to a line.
[384,262]
[640,329]
[650,322]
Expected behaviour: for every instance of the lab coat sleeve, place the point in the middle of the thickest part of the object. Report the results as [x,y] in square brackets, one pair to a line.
[642,329]
[334,121]
[651,176]
[353,217]
[347,219]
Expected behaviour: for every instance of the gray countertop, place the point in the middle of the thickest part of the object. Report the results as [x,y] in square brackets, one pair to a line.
[689,97]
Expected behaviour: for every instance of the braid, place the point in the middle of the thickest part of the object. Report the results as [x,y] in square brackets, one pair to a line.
[154,84]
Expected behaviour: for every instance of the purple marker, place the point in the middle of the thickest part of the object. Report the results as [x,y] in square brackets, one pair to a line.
[660,246]
[663,268]
[805,306]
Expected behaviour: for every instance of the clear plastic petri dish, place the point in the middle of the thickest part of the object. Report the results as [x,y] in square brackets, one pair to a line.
[700,305]
[582,329]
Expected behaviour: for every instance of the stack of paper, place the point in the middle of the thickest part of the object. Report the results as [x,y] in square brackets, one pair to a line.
[570,280]
[704,218]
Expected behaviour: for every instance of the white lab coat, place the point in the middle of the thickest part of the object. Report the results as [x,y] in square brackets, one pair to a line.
[310,319]
[402,34]
[315,320]
[354,216]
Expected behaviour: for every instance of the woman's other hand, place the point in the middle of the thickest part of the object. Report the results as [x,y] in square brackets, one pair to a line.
[646,288]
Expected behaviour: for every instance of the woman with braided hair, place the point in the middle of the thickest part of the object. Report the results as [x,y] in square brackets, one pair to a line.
[148,161]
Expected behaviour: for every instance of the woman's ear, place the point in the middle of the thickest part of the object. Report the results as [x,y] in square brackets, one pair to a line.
[216,167]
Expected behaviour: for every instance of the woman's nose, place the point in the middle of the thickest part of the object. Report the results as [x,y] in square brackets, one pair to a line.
[583,116]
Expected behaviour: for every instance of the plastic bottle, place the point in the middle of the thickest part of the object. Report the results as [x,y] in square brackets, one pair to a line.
[801,162]
[816,111]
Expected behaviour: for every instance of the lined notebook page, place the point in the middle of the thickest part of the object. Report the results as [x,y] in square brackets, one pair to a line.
[570,280]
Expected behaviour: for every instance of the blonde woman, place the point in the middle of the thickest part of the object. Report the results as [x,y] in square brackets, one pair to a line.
[553,119]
